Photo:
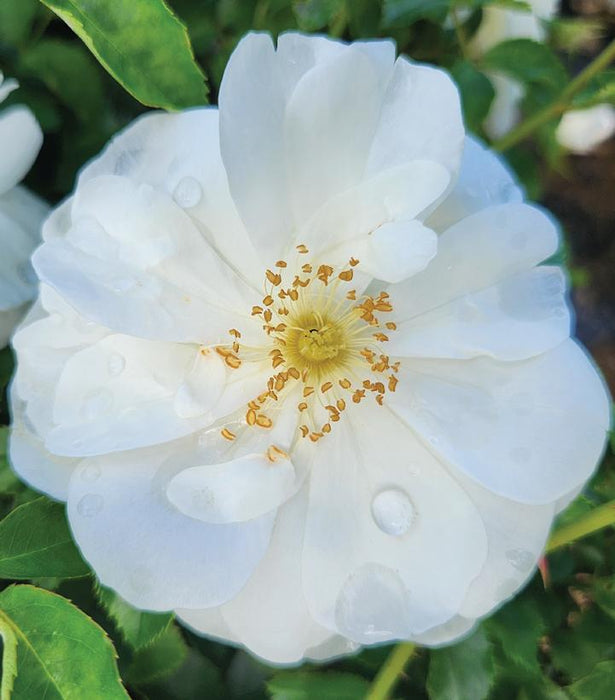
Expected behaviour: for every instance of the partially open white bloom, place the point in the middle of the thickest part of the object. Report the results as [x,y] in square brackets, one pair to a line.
[503,24]
[21,212]
[296,367]
[581,130]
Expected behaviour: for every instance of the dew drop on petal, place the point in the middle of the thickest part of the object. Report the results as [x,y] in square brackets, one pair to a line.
[90,505]
[372,605]
[520,559]
[120,285]
[97,403]
[90,473]
[188,193]
[393,511]
[116,364]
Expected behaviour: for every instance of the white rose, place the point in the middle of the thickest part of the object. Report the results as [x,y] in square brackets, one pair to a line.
[296,371]
[21,212]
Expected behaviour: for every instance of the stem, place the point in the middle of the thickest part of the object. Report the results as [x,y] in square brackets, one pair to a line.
[559,105]
[389,674]
[597,519]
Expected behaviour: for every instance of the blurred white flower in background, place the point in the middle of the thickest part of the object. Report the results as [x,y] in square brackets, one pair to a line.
[296,367]
[580,131]
[21,212]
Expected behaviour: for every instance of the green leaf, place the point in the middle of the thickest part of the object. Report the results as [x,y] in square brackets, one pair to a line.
[197,678]
[16,20]
[603,593]
[159,659]
[70,73]
[518,627]
[304,685]
[576,650]
[598,685]
[402,12]
[143,46]
[9,483]
[465,670]
[35,541]
[313,15]
[138,628]
[477,93]
[56,651]
[529,62]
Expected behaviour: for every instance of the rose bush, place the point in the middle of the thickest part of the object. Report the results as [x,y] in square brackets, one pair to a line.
[298,366]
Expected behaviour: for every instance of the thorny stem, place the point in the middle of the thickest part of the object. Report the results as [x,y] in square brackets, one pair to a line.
[392,669]
[559,105]
[390,673]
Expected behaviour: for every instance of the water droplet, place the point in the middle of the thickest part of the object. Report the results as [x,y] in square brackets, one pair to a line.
[373,605]
[520,559]
[393,512]
[97,403]
[90,473]
[188,193]
[116,364]
[122,284]
[90,505]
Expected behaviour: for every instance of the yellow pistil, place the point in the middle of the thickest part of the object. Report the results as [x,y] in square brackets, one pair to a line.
[324,344]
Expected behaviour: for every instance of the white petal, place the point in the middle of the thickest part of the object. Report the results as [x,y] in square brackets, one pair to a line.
[6,86]
[453,630]
[207,621]
[504,111]
[476,253]
[141,546]
[581,130]
[252,101]
[142,268]
[399,194]
[269,615]
[202,386]
[20,141]
[384,567]
[119,394]
[179,155]
[234,491]
[518,318]
[484,179]
[33,463]
[17,278]
[516,535]
[328,127]
[420,119]
[531,431]
[397,250]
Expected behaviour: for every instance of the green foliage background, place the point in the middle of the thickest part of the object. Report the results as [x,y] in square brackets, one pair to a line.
[87,68]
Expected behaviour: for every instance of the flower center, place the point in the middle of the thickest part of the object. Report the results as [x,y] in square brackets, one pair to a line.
[322,341]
